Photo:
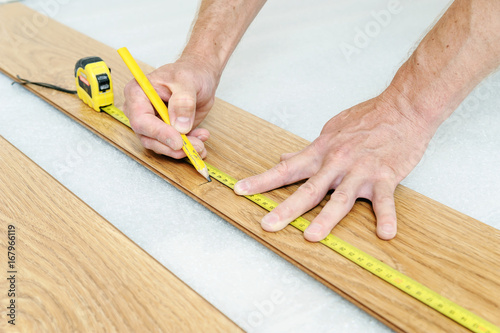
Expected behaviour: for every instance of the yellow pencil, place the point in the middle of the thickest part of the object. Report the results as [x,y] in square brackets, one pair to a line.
[161,108]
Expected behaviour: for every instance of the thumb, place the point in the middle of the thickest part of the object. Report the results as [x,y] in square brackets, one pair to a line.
[182,107]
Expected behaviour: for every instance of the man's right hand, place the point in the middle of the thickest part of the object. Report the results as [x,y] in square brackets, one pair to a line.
[189,89]
[189,84]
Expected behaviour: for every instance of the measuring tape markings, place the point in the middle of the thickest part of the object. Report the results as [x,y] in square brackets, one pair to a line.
[116,113]
[406,284]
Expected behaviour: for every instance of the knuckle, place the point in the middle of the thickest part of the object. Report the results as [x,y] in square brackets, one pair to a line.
[384,199]
[129,87]
[144,129]
[182,105]
[146,142]
[284,211]
[185,102]
[282,169]
[138,125]
[285,156]
[135,124]
[155,133]
[342,153]
[309,189]
[365,163]
[386,174]
[336,154]
[341,197]
[321,143]
[183,75]
[132,91]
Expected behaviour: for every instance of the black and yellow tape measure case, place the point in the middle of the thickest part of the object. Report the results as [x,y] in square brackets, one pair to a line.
[95,87]
[93,82]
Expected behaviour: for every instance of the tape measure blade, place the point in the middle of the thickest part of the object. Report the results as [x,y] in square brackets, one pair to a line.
[116,113]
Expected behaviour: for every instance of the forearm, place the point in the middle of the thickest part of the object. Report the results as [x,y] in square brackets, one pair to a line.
[461,49]
[218,29]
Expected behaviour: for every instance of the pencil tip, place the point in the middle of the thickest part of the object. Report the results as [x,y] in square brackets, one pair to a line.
[204,173]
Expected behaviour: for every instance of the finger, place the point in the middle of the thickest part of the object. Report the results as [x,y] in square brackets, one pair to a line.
[198,145]
[182,107]
[307,196]
[201,133]
[287,156]
[136,101]
[149,125]
[385,210]
[163,149]
[286,172]
[339,205]
[143,120]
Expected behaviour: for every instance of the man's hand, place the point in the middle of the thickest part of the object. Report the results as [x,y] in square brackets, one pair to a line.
[189,88]
[363,152]
[189,84]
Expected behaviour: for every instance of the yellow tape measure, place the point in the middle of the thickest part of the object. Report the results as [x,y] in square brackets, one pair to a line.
[411,287]
[95,87]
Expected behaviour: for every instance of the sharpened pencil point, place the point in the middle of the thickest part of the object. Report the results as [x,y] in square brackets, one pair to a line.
[204,173]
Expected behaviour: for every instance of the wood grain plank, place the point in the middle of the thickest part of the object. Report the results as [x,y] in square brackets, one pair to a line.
[77,272]
[445,250]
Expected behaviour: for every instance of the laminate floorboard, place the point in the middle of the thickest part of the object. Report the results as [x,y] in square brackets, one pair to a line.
[75,272]
[449,252]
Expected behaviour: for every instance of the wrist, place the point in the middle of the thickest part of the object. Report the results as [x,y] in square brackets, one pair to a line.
[419,92]
[206,56]
[459,51]
[217,30]
[204,62]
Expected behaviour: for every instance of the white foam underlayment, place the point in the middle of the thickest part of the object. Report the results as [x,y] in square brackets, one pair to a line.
[289,67]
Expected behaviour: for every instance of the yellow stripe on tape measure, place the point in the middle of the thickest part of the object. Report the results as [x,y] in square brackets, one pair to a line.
[411,287]
[116,113]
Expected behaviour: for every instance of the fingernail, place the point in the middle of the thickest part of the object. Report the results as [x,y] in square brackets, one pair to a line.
[269,221]
[182,124]
[241,187]
[313,230]
[387,230]
[202,137]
